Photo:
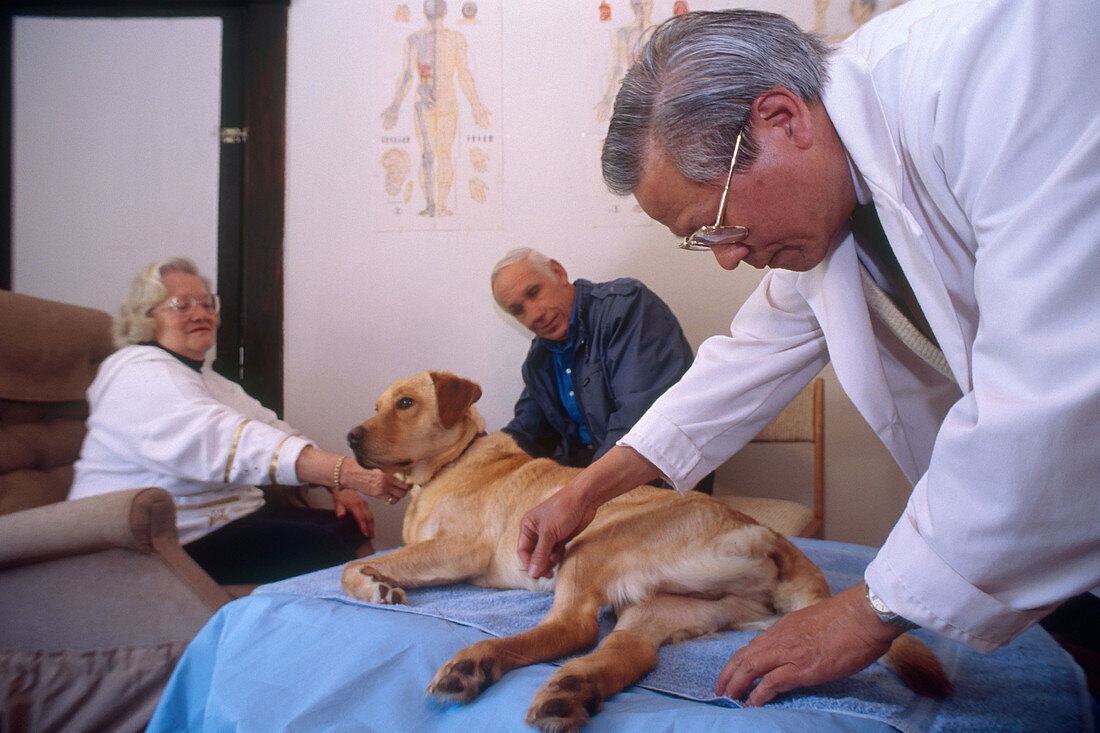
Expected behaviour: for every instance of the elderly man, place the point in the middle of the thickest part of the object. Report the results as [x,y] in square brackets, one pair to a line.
[969,129]
[602,353]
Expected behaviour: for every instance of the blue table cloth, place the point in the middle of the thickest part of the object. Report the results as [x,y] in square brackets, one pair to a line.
[300,656]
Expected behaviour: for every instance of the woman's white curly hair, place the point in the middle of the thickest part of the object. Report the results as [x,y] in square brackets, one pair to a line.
[134,324]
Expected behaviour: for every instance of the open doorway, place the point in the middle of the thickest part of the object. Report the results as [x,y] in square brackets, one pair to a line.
[229,209]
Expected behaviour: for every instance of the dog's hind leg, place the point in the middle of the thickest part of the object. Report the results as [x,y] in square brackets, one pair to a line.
[438,561]
[577,690]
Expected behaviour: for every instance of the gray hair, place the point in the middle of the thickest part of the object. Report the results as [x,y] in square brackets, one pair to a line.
[522,254]
[691,91]
[134,325]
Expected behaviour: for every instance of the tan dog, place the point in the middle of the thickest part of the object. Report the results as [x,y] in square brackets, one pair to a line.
[672,567]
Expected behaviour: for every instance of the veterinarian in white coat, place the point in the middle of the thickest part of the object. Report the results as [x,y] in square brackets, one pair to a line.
[974,129]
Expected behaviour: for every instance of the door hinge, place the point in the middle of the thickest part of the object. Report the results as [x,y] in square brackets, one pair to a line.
[234,135]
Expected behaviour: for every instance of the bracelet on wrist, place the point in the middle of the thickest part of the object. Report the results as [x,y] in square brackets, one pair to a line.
[336,474]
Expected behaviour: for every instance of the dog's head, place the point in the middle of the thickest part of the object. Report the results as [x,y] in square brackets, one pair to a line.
[420,424]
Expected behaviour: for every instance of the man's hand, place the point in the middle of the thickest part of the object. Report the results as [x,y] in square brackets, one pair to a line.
[545,529]
[825,642]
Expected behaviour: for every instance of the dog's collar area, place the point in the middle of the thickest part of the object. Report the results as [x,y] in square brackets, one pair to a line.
[473,440]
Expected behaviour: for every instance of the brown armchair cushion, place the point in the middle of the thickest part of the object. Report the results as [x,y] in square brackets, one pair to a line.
[39,442]
[49,353]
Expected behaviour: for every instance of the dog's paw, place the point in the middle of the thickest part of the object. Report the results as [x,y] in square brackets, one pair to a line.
[358,582]
[565,704]
[388,594]
[464,677]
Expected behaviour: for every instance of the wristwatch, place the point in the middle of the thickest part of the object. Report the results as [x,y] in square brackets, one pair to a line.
[885,614]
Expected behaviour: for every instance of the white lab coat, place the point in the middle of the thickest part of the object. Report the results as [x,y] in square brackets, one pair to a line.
[976,128]
[154,421]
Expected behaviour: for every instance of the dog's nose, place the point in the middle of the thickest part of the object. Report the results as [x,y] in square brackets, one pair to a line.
[355,435]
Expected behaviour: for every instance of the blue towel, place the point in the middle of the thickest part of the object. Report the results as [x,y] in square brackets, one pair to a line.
[1029,685]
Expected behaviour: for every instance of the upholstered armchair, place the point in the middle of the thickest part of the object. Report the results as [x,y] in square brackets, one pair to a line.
[97,597]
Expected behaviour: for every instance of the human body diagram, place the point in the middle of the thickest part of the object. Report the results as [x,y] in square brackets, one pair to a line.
[628,42]
[435,62]
[859,12]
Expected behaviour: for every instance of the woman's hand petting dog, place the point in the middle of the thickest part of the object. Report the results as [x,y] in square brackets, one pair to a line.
[315,466]
[373,482]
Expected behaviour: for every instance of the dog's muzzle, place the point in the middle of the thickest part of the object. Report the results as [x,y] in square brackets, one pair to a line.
[356,435]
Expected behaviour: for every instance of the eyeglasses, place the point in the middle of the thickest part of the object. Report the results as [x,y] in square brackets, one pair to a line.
[705,237]
[183,304]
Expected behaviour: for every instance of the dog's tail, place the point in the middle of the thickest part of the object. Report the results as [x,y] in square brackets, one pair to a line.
[918,667]
[801,583]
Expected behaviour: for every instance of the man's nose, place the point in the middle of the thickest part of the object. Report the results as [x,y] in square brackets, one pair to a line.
[530,317]
[542,311]
[729,256]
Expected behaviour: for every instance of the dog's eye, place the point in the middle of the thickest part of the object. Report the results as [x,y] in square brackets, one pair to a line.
[405,403]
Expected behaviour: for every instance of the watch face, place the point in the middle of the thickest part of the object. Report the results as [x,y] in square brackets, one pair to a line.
[876,602]
[884,613]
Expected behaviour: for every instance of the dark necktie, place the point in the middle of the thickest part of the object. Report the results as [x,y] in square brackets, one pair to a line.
[901,314]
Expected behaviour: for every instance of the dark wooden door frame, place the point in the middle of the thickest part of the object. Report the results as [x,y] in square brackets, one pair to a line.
[252,175]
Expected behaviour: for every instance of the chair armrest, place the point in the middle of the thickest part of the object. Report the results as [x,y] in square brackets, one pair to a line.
[136,519]
[99,601]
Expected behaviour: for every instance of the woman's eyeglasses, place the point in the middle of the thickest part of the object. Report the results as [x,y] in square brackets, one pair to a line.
[181,305]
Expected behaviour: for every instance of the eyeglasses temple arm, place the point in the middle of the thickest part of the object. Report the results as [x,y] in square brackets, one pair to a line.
[729,180]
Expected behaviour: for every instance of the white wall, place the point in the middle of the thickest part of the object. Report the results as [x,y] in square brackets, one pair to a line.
[364,307]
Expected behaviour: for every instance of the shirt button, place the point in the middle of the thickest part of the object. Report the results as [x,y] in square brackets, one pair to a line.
[570,393]
[568,371]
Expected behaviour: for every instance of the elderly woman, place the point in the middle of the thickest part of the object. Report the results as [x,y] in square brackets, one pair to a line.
[161,417]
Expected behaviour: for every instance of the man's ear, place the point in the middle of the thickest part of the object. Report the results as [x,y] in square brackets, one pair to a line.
[781,112]
[453,396]
[559,272]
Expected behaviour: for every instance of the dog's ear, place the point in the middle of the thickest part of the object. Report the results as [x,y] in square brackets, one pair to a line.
[453,395]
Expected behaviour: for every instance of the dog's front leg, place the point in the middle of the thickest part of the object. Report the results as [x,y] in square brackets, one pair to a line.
[439,561]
